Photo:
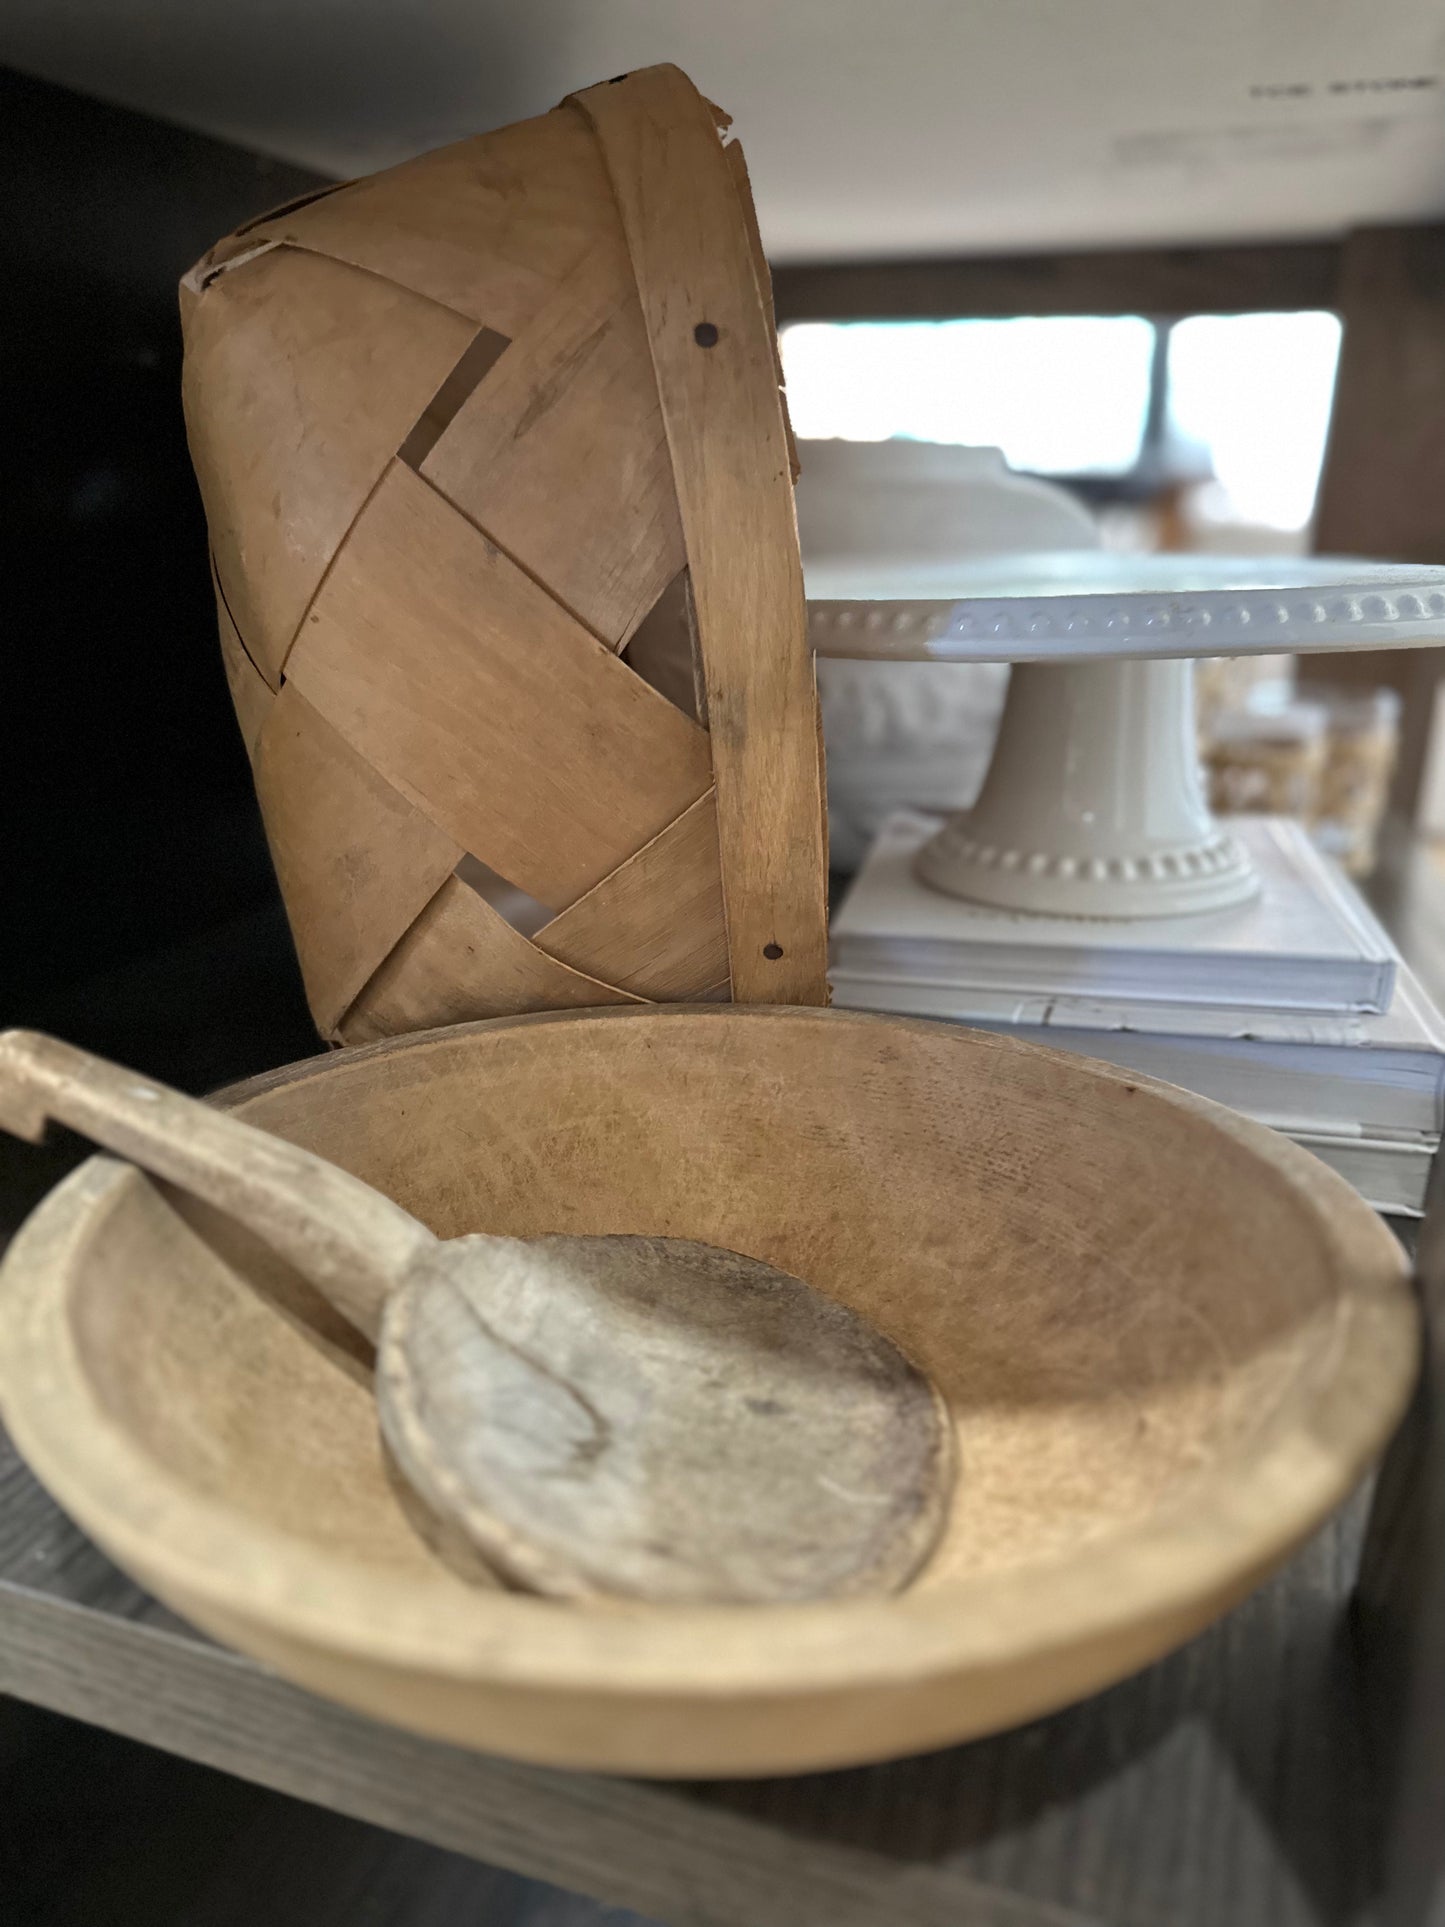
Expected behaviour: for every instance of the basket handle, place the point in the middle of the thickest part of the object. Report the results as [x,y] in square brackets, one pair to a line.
[714,357]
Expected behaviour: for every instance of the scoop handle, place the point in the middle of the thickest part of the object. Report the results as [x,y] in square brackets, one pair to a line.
[352,1243]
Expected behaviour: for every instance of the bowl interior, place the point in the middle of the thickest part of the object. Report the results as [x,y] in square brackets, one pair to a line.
[1113,1292]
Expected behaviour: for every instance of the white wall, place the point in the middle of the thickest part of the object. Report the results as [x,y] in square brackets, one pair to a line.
[920,126]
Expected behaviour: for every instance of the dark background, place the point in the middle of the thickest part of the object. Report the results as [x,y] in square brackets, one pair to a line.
[138,912]
[139,916]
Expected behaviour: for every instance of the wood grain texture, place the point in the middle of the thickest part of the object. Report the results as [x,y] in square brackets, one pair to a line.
[737,163]
[340,364]
[346,1240]
[1400,1620]
[251,695]
[655,926]
[693,263]
[486,227]
[594,1417]
[477,361]
[470,689]
[461,960]
[654,1419]
[663,649]
[1225,1787]
[356,862]
[448,493]
[762,273]
[570,414]
[990,1208]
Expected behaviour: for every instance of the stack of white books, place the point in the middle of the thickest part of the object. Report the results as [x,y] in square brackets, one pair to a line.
[1295,1008]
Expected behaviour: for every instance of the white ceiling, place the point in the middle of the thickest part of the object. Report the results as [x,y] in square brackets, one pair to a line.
[911,127]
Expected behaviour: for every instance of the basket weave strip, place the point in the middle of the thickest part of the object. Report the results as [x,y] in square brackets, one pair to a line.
[357,863]
[461,953]
[470,688]
[655,925]
[323,371]
[570,413]
[251,694]
[487,227]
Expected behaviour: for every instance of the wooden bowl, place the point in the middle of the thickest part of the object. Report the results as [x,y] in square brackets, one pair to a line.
[499,483]
[1171,1343]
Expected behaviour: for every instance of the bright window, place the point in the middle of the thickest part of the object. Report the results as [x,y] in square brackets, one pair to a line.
[1060,395]
[1249,403]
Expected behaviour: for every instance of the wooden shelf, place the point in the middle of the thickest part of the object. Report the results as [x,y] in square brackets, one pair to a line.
[1224,1787]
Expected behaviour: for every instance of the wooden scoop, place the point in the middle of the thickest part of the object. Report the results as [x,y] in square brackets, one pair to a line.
[646,1417]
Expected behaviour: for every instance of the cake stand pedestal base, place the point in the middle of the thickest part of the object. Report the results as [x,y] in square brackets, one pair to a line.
[1093,805]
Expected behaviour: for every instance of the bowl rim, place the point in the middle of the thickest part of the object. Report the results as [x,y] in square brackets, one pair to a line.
[1237,1519]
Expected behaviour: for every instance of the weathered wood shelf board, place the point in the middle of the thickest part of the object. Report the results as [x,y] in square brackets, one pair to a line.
[1224,1787]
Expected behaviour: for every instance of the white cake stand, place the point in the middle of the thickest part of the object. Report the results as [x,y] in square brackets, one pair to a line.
[1093,804]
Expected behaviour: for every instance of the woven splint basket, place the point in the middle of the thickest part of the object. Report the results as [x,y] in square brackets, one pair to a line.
[490,445]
